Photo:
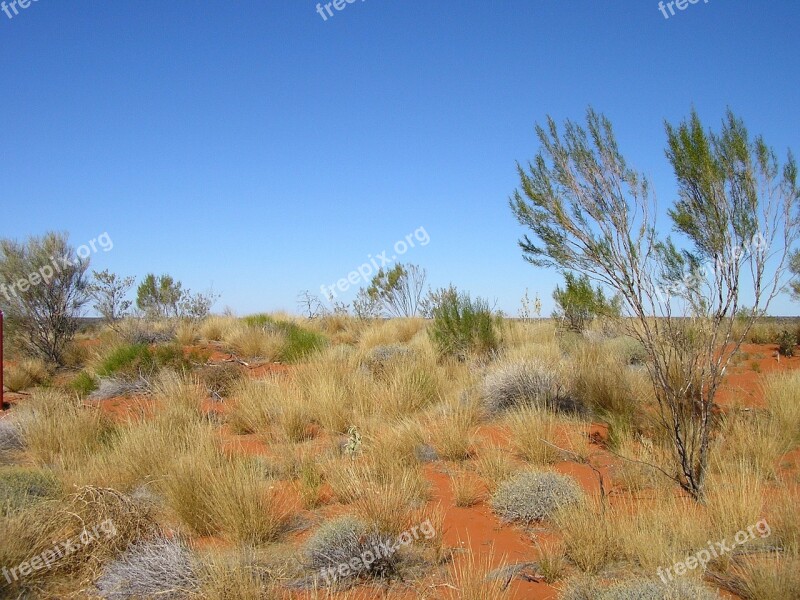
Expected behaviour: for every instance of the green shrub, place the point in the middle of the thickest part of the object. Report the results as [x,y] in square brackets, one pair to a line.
[462,325]
[300,342]
[19,487]
[579,303]
[534,495]
[786,343]
[128,361]
[83,384]
[261,321]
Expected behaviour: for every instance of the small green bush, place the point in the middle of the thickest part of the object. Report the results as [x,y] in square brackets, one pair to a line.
[787,341]
[128,361]
[579,303]
[534,495]
[462,325]
[300,343]
[83,384]
[22,486]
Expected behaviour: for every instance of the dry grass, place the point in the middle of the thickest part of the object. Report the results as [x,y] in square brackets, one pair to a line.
[782,393]
[467,491]
[25,375]
[469,575]
[60,431]
[255,343]
[495,466]
[529,426]
[454,433]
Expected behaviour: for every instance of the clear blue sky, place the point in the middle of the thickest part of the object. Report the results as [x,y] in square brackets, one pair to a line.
[258,148]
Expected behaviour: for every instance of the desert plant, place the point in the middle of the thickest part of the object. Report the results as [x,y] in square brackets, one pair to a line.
[528,383]
[347,547]
[462,325]
[787,342]
[638,589]
[42,299]
[467,491]
[397,291]
[158,297]
[24,375]
[534,495]
[11,440]
[21,486]
[220,380]
[579,303]
[161,567]
[108,290]
[782,394]
[84,384]
[476,578]
[594,215]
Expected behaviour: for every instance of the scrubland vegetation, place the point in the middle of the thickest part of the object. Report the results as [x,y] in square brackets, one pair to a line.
[235,473]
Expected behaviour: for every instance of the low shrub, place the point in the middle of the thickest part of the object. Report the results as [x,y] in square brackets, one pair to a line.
[10,440]
[220,380]
[638,589]
[84,384]
[461,325]
[347,548]
[787,342]
[530,383]
[21,486]
[534,495]
[161,567]
[134,360]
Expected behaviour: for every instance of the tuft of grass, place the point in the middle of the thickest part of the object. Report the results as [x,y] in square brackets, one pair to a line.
[25,375]
[472,578]
[775,576]
[534,495]
[529,426]
[589,538]
[11,441]
[467,491]
[454,436]
[233,575]
[782,394]
[494,466]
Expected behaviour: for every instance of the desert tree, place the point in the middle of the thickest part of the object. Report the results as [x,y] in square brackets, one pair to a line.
[736,215]
[398,291]
[159,297]
[108,291]
[794,286]
[43,288]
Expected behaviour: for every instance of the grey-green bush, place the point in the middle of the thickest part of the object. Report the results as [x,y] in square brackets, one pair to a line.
[530,383]
[637,589]
[534,495]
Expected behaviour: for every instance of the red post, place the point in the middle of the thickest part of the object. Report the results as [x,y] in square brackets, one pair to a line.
[2,402]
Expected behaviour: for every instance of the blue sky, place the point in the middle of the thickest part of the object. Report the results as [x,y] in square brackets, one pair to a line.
[258,148]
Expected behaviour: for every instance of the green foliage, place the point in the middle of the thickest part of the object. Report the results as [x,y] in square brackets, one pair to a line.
[397,291]
[108,290]
[578,303]
[83,384]
[794,267]
[462,325]
[159,296]
[42,291]
[300,343]
[787,341]
[129,361]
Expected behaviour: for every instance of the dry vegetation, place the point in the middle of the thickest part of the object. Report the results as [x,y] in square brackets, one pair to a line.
[318,440]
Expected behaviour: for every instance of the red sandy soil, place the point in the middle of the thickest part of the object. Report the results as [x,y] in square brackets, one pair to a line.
[476,527]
